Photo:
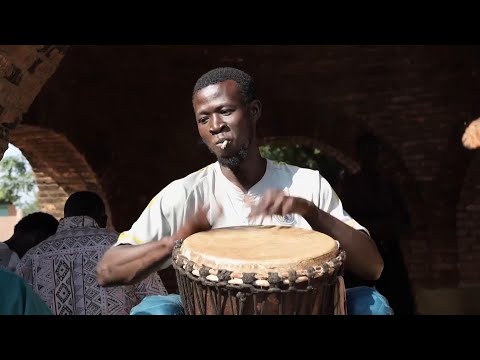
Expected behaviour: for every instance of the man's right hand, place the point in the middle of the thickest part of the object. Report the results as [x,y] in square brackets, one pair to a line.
[129,264]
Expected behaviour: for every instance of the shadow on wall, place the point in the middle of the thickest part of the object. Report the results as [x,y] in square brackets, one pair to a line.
[377,203]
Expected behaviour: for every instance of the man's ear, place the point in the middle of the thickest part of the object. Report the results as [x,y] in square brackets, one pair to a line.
[256,109]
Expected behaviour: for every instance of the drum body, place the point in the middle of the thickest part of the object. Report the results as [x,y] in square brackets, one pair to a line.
[260,270]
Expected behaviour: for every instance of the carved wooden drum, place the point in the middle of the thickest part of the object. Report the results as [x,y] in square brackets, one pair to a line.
[260,270]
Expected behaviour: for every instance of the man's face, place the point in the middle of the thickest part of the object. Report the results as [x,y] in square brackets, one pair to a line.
[225,123]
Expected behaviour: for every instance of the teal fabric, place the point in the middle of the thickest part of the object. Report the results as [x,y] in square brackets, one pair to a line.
[17,298]
[159,305]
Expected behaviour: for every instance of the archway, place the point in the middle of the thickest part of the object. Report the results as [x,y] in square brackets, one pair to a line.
[59,168]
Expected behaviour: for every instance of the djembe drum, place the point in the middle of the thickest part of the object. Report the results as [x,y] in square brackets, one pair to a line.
[260,270]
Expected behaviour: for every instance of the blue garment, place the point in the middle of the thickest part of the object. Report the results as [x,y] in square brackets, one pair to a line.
[366,300]
[18,298]
[362,300]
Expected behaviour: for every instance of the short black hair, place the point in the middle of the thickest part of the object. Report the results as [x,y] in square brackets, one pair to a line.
[245,81]
[84,203]
[38,221]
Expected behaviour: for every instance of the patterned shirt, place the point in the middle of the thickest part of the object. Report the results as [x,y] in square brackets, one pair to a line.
[62,271]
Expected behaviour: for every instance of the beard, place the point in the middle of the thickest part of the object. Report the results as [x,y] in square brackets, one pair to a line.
[234,161]
[231,161]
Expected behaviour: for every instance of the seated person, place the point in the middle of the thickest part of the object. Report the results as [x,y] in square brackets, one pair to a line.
[61,269]
[28,232]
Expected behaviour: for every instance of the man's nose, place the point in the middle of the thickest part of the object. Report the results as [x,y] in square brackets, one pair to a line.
[217,125]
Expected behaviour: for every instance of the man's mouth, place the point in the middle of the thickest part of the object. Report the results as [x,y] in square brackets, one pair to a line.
[223,144]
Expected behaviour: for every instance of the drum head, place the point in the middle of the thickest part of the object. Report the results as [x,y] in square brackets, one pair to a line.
[259,249]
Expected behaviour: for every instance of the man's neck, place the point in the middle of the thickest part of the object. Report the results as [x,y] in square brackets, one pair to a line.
[249,172]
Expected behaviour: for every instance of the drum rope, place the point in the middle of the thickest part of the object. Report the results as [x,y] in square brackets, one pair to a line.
[194,297]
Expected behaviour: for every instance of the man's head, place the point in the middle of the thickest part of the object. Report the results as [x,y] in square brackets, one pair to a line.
[86,203]
[30,231]
[226,110]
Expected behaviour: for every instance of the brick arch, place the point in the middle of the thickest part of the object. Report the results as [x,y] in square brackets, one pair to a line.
[59,168]
[467,229]
[24,69]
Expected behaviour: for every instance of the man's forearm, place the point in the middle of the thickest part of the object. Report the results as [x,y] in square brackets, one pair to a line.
[129,264]
[363,258]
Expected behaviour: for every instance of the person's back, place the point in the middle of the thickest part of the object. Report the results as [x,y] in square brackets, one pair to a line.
[17,298]
[62,269]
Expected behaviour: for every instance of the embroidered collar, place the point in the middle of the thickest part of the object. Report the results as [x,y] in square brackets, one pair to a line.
[76,222]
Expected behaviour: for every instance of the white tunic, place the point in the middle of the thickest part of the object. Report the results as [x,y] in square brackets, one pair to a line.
[170,208]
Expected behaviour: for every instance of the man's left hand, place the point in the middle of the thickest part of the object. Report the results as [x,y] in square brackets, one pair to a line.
[276,202]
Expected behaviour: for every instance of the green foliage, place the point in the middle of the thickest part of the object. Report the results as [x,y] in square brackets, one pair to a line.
[17,180]
[306,157]
[30,207]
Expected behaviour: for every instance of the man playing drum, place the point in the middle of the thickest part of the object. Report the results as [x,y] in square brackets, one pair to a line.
[240,189]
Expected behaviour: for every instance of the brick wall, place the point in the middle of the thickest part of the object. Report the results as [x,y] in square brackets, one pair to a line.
[51,196]
[128,111]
